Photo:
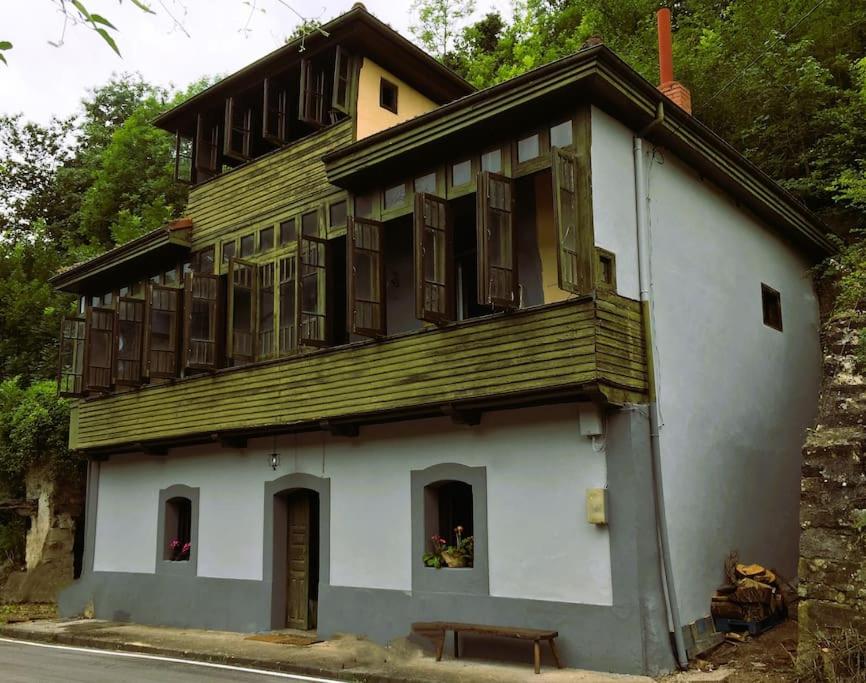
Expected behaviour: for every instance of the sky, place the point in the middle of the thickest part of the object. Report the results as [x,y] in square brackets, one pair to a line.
[41,80]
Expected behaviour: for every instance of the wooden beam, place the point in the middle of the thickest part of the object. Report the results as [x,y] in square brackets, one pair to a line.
[462,416]
[349,429]
[150,449]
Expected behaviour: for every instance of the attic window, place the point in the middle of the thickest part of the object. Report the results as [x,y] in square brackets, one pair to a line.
[388,95]
[771,302]
[561,134]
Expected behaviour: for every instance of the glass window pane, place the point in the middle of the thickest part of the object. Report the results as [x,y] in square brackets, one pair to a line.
[288,232]
[364,206]
[561,135]
[248,245]
[492,161]
[266,239]
[395,196]
[461,173]
[310,223]
[528,148]
[228,250]
[170,277]
[426,183]
[337,214]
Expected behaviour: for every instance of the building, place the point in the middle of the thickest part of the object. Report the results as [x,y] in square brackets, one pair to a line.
[559,313]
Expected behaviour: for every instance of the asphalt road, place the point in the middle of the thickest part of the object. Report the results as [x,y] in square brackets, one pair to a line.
[28,662]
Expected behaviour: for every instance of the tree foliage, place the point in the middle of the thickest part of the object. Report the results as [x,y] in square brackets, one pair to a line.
[438,23]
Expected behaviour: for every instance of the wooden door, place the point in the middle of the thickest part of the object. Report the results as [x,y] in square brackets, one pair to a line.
[298,558]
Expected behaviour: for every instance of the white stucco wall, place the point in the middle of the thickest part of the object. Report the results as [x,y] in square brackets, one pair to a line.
[538,468]
[613,203]
[735,395]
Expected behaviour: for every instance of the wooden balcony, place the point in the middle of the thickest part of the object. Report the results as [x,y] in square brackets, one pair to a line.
[585,347]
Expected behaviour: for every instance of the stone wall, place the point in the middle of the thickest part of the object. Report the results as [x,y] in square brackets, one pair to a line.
[833,492]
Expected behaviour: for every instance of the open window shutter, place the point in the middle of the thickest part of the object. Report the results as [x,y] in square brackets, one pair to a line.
[435,297]
[183,158]
[99,335]
[342,81]
[162,319]
[367,297]
[288,291]
[70,372]
[129,342]
[238,123]
[265,329]
[576,253]
[201,316]
[497,243]
[275,121]
[311,102]
[241,312]
[313,303]
[206,150]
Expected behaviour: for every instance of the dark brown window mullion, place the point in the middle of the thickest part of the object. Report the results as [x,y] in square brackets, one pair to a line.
[161,339]
[497,243]
[312,291]
[311,105]
[201,321]
[206,150]
[342,81]
[576,248]
[238,130]
[242,281]
[367,296]
[275,114]
[70,370]
[435,298]
[129,342]
[99,344]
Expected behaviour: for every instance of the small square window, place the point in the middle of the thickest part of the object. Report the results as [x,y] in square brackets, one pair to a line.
[772,304]
[248,245]
[364,206]
[288,232]
[528,148]
[310,223]
[388,95]
[492,161]
[561,135]
[605,269]
[337,214]
[461,173]
[395,196]
[228,250]
[266,239]
[426,183]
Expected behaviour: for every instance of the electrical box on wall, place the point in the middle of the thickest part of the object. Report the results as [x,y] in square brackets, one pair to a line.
[589,416]
[596,506]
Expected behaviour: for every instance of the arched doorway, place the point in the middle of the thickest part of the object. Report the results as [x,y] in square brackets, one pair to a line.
[296,558]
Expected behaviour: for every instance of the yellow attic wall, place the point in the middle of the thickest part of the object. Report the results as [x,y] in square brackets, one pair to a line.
[371,117]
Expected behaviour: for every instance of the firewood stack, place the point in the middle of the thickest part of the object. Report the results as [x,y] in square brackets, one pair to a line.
[753,594]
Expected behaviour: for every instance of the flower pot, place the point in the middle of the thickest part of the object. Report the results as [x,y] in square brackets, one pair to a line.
[453,560]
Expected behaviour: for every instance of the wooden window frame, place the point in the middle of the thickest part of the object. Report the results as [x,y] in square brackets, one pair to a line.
[302,339]
[261,248]
[377,255]
[206,150]
[448,287]
[342,59]
[774,298]
[376,197]
[190,289]
[403,207]
[275,104]
[311,103]
[329,227]
[232,354]
[174,330]
[292,326]
[485,267]
[263,284]
[190,158]
[90,332]
[78,342]
[384,84]
[239,121]
[454,190]
[197,257]
[252,252]
[576,268]
[134,357]
[223,258]
[602,255]
[288,242]
[542,161]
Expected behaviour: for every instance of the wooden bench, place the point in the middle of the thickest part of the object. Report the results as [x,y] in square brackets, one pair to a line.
[436,631]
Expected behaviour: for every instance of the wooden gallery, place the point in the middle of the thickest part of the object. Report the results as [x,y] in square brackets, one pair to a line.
[538,355]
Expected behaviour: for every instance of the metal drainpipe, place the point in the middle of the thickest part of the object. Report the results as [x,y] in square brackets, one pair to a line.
[641,199]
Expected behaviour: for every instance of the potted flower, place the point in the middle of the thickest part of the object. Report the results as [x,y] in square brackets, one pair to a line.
[177,551]
[459,555]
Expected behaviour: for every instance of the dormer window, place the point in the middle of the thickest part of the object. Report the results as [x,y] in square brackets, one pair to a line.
[388,95]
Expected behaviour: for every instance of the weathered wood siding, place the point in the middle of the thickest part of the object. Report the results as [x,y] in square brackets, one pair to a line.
[265,190]
[561,346]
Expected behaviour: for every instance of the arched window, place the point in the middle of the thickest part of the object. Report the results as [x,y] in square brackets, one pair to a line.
[449,523]
[178,529]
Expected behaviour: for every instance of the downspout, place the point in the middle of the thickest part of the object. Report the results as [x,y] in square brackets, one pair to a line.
[641,193]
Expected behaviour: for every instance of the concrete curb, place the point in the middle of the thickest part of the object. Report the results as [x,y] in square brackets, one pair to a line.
[10,631]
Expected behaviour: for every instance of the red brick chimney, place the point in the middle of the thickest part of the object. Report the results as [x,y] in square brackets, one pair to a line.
[674,90]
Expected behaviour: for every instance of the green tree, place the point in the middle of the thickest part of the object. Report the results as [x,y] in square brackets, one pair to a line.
[438,23]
